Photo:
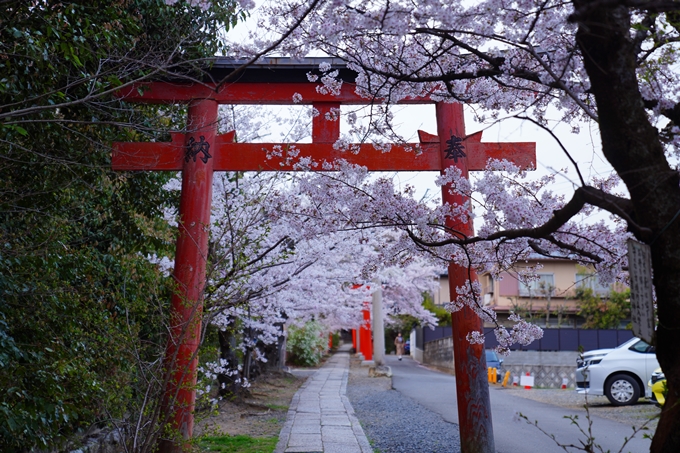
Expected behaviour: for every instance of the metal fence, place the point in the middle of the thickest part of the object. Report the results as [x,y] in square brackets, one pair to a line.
[553,339]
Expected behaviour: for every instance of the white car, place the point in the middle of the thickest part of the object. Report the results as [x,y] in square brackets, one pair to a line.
[621,374]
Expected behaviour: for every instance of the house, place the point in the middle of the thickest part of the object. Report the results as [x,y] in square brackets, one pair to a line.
[549,300]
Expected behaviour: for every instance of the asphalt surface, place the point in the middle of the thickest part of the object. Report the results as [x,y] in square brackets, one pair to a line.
[437,392]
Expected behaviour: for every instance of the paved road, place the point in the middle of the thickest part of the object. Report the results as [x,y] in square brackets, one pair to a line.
[437,392]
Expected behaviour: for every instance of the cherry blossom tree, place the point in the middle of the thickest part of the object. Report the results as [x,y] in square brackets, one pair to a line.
[267,271]
[611,63]
[350,200]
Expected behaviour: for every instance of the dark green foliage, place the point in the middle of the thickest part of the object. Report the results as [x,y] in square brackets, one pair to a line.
[82,317]
[406,323]
[603,313]
[78,347]
[442,314]
[335,342]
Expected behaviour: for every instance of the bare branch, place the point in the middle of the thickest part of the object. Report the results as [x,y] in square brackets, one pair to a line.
[559,142]
[590,195]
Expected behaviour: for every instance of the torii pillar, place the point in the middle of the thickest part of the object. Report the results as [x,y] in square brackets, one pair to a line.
[474,409]
[354,340]
[467,153]
[192,153]
[181,357]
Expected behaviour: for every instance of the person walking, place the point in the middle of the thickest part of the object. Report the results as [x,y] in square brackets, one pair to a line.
[399,343]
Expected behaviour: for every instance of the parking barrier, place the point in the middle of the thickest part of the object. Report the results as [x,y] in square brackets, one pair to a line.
[506,379]
[492,375]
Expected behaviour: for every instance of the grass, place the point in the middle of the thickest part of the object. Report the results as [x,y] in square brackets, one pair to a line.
[239,444]
[277,407]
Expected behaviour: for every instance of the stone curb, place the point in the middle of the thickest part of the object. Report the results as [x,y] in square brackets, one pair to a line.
[284,436]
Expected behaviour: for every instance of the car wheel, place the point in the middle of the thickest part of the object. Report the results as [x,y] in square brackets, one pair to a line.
[622,390]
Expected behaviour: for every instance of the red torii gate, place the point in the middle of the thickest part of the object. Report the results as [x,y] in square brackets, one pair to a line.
[363,334]
[200,151]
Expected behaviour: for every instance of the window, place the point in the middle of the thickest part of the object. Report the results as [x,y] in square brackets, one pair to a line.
[643,347]
[592,281]
[488,285]
[542,287]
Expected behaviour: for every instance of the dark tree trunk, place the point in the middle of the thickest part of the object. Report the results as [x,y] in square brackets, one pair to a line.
[631,144]
[228,384]
[273,352]
[251,368]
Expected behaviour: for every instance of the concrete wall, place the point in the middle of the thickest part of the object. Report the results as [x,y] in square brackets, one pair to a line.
[545,376]
[548,368]
[416,352]
[439,354]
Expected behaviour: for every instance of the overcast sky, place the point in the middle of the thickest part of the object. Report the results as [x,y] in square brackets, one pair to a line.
[583,146]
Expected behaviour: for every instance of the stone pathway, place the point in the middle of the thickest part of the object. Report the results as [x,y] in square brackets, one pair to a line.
[320,417]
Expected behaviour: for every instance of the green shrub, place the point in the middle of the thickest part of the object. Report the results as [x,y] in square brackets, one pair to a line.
[336,340]
[306,344]
[603,313]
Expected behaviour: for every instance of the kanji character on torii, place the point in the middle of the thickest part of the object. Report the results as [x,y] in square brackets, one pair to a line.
[200,151]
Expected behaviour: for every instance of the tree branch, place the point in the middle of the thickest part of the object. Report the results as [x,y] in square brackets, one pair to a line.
[582,196]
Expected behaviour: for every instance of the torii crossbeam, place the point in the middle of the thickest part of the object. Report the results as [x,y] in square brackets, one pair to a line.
[200,151]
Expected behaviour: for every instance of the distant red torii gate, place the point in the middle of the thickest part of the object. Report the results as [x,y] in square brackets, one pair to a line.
[200,151]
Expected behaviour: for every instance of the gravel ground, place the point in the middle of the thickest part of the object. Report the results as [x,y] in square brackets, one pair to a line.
[414,429]
[643,413]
